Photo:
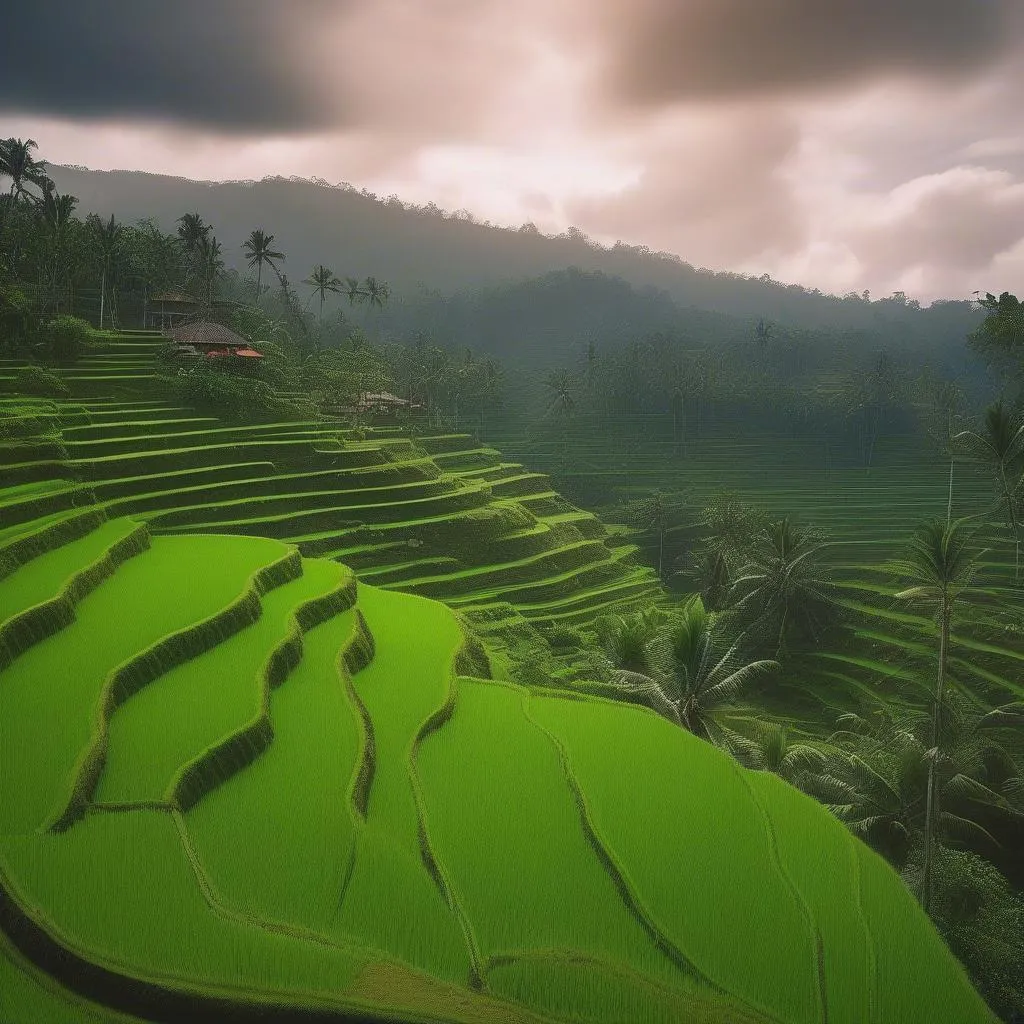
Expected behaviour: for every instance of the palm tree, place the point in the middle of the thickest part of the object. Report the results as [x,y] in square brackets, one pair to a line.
[627,639]
[655,514]
[688,682]
[322,281]
[728,525]
[209,264]
[1000,445]
[191,230]
[257,253]
[108,234]
[17,163]
[561,386]
[783,581]
[774,752]
[291,301]
[56,211]
[942,569]
[377,294]
[944,403]
[876,775]
[353,290]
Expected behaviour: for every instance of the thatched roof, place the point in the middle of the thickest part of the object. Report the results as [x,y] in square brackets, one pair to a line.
[206,332]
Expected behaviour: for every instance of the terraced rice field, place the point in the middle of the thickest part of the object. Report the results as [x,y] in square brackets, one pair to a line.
[869,517]
[439,516]
[271,785]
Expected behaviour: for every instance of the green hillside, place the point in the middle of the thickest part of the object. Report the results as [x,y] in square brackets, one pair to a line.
[273,784]
[248,759]
[441,516]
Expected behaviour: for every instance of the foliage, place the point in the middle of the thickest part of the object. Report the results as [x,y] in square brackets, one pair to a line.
[34,380]
[231,395]
[875,776]
[1000,336]
[684,674]
[1000,447]
[727,526]
[16,310]
[783,591]
[982,920]
[64,339]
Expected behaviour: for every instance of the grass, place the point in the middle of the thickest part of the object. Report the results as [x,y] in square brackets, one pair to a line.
[48,701]
[158,731]
[904,941]
[139,909]
[267,853]
[392,837]
[727,921]
[44,576]
[404,684]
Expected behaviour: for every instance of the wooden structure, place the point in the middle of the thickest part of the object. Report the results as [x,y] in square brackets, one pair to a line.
[165,310]
[210,340]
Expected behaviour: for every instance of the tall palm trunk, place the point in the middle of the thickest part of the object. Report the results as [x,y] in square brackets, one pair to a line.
[931,812]
[103,294]
[1014,526]
[259,283]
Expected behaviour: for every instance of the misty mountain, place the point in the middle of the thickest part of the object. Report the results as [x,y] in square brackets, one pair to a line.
[422,251]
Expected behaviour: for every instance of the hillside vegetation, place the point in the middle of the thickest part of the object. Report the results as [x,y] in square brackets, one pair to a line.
[273,785]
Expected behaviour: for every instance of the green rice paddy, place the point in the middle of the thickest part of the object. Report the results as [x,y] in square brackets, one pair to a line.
[230,771]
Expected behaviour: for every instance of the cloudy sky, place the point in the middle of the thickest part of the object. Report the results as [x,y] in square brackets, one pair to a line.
[843,144]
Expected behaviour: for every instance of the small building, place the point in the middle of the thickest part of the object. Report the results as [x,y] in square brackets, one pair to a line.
[210,340]
[169,309]
[382,402]
[166,310]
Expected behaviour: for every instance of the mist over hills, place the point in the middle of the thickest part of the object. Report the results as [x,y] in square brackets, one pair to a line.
[502,290]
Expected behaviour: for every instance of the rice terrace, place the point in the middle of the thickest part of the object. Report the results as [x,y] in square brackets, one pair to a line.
[350,672]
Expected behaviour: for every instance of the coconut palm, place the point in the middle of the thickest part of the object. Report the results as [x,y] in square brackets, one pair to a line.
[191,230]
[689,679]
[942,568]
[656,514]
[562,387]
[627,639]
[784,584]
[18,164]
[876,776]
[56,211]
[727,525]
[258,253]
[1000,446]
[354,291]
[209,263]
[322,281]
[944,402]
[376,292]
[108,235]
[775,751]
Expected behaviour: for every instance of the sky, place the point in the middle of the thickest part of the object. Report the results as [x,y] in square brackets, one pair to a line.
[839,144]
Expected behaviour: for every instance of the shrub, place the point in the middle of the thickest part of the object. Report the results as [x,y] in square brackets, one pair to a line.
[34,380]
[64,339]
[982,920]
[232,396]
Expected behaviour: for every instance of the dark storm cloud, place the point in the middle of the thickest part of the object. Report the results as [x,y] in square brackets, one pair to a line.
[663,51]
[233,66]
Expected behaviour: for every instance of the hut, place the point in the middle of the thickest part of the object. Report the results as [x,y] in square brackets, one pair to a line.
[210,340]
[165,310]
